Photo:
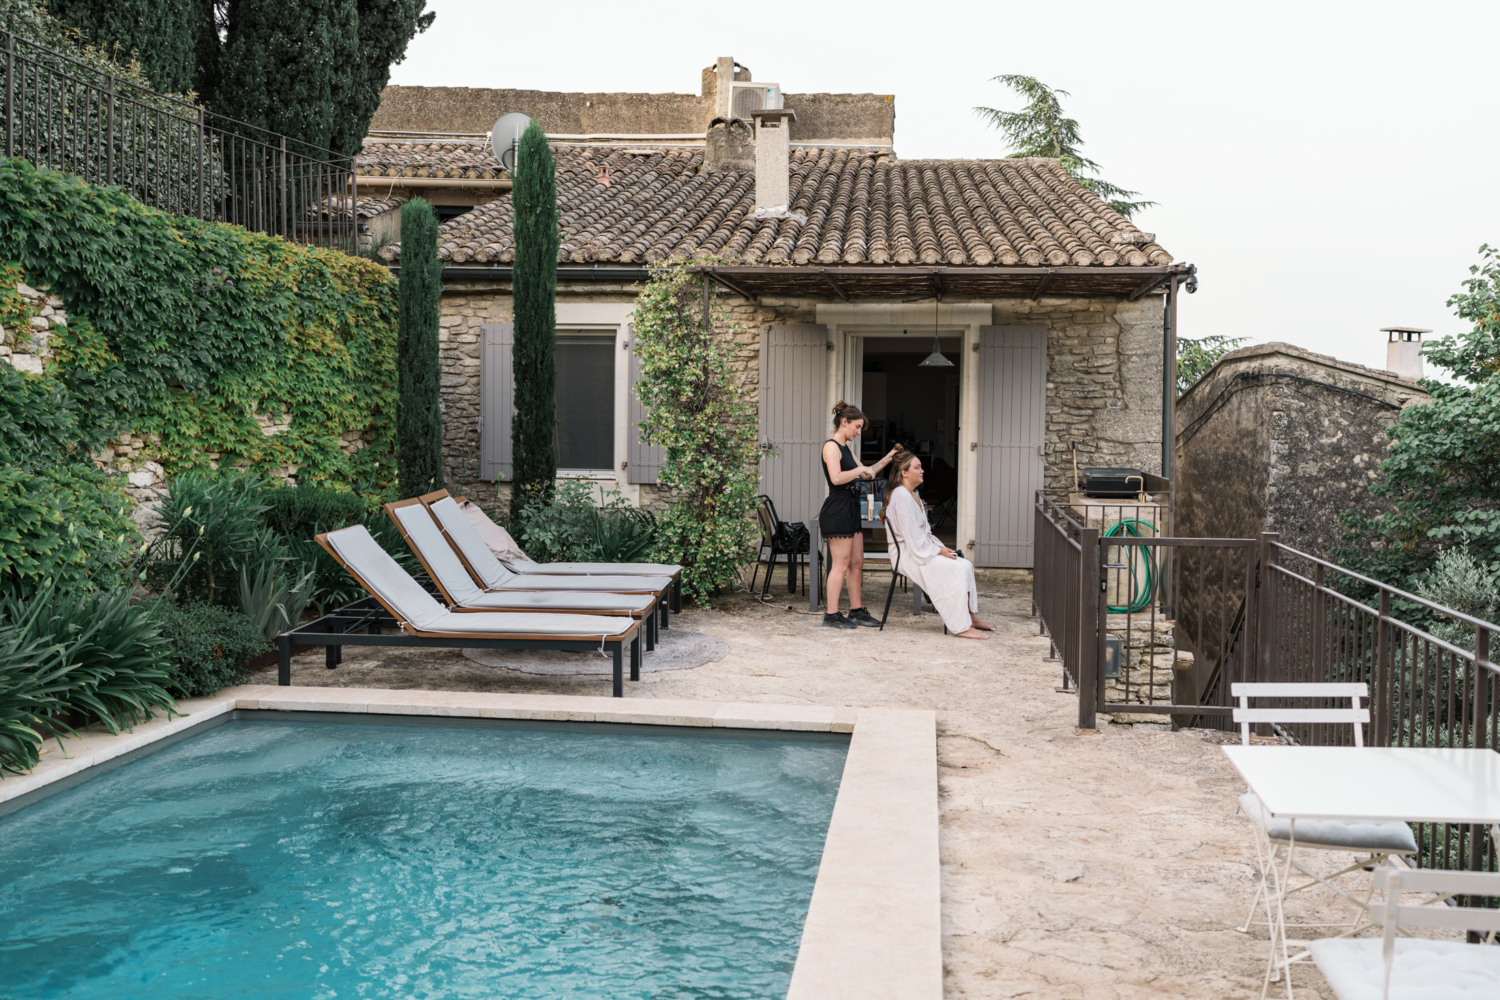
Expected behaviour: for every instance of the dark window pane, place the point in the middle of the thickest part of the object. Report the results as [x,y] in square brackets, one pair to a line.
[585,402]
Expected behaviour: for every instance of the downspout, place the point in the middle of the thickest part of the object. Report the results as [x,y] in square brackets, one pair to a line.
[1169,380]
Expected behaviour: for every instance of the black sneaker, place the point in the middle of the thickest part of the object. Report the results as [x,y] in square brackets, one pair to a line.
[860,616]
[837,620]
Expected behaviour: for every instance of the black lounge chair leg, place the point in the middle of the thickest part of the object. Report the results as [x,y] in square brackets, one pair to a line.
[666,619]
[650,629]
[677,596]
[635,656]
[619,679]
[284,660]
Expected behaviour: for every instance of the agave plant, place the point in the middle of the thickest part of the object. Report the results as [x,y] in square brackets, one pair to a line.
[33,681]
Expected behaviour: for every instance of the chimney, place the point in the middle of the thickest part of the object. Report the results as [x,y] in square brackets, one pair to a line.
[730,145]
[1403,350]
[725,72]
[773,150]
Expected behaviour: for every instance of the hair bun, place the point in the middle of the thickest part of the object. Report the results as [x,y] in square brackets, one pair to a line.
[839,406]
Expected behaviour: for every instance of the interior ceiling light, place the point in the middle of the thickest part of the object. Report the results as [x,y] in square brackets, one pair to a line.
[935,359]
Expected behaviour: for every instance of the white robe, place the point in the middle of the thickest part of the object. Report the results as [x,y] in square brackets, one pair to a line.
[948,582]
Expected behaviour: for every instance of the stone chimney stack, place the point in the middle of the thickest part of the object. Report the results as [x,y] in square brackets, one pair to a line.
[1403,350]
[730,145]
[725,71]
[773,153]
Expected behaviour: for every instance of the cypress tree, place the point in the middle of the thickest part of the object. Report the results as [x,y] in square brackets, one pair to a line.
[534,293]
[419,421]
[164,36]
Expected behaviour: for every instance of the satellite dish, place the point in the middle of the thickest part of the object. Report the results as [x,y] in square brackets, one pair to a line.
[505,137]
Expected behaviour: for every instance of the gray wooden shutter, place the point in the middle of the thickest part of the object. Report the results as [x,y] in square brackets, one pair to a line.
[794,417]
[1012,429]
[643,461]
[497,400]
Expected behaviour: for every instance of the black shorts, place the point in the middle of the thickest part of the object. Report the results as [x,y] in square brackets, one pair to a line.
[839,517]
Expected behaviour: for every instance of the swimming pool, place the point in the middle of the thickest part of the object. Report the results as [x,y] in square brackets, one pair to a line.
[270,857]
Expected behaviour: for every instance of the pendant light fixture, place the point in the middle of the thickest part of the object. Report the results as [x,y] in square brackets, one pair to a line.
[935,359]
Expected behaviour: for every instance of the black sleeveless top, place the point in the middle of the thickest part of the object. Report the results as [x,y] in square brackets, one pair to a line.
[846,464]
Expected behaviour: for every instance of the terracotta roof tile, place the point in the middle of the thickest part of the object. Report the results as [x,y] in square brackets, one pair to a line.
[862,206]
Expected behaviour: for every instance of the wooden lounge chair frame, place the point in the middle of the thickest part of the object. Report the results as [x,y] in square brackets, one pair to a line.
[428,499]
[363,623]
[649,618]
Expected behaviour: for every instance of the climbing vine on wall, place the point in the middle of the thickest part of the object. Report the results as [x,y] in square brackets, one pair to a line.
[201,337]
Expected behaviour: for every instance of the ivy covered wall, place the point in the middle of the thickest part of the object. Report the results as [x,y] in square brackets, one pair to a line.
[184,344]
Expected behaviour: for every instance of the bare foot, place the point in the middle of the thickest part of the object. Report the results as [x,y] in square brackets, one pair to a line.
[982,626]
[972,633]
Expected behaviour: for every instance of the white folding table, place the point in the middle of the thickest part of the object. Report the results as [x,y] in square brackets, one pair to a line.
[1410,784]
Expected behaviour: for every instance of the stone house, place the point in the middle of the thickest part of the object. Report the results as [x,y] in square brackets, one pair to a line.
[1276,438]
[834,264]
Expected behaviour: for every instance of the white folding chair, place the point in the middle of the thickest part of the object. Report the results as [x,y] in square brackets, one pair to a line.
[1275,845]
[1418,968]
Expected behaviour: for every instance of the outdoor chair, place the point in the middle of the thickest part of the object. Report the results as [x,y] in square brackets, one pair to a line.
[1378,840]
[1418,968]
[425,622]
[894,541]
[491,574]
[458,589]
[781,538]
[527,567]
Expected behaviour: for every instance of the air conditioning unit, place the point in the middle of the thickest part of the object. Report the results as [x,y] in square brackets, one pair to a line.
[747,97]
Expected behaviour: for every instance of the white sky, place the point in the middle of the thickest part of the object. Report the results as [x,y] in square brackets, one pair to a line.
[1322,163]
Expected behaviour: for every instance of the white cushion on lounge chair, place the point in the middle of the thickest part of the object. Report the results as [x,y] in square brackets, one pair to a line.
[478,555]
[1339,834]
[499,623]
[526,566]
[1423,969]
[383,577]
[496,577]
[516,600]
[438,556]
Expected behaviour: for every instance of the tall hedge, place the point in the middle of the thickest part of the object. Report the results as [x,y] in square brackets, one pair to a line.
[419,423]
[534,356]
[189,331]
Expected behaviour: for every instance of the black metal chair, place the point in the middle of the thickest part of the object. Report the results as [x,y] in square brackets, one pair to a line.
[781,538]
[893,539]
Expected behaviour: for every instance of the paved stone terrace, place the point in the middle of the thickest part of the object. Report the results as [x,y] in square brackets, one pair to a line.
[1075,867]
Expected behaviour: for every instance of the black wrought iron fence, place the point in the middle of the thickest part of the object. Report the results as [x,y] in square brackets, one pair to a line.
[1242,609]
[1424,691]
[66,115]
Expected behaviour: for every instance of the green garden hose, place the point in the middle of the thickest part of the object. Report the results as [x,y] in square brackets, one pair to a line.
[1141,589]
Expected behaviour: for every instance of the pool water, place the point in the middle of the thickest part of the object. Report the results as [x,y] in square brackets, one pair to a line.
[331,859]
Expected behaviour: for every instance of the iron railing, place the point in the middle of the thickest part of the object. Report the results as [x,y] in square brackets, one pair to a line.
[64,114]
[1242,609]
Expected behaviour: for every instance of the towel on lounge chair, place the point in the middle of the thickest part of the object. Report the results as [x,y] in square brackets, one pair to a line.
[417,523]
[378,573]
[504,547]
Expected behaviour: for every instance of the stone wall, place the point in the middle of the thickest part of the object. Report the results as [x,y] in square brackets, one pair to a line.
[1276,438]
[1103,371]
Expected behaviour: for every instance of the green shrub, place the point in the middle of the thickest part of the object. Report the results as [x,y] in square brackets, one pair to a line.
[33,681]
[208,646]
[210,525]
[307,509]
[580,523]
[60,517]
[1459,581]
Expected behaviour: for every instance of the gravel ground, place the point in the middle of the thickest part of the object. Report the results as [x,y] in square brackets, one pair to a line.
[1075,866]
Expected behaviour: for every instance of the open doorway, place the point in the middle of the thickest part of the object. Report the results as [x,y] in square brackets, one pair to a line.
[917,407]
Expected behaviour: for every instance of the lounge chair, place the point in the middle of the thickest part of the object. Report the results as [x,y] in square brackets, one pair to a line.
[447,571]
[424,622]
[529,567]
[491,574]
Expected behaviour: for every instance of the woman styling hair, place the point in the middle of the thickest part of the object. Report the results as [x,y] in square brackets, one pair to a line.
[931,565]
[839,520]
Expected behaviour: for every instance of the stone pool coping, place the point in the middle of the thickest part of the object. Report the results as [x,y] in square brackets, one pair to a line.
[874,926]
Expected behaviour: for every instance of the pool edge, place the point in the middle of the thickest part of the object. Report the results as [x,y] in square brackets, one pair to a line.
[874,926]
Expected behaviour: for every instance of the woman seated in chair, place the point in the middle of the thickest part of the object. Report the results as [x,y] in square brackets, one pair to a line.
[943,576]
